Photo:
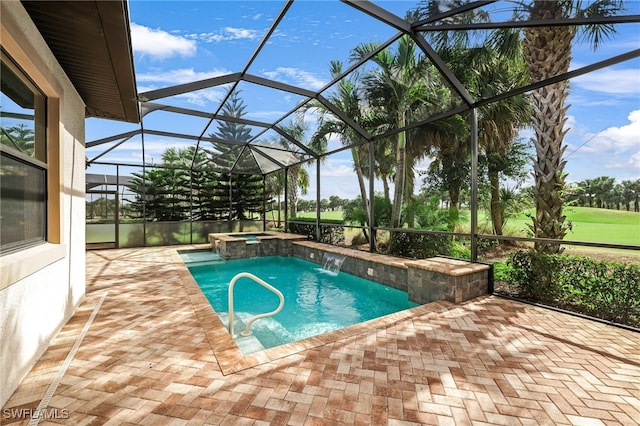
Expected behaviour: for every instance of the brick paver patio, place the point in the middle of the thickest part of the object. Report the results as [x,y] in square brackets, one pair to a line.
[152,354]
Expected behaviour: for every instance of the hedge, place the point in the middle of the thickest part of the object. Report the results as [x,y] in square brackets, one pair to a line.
[602,289]
[328,234]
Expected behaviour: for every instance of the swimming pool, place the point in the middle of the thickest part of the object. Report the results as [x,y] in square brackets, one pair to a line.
[316,301]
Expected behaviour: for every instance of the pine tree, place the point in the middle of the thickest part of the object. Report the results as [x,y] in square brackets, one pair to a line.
[237,193]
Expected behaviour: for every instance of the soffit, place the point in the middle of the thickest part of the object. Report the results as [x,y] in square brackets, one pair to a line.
[91,41]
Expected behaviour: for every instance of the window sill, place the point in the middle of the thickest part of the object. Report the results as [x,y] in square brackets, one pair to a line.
[17,266]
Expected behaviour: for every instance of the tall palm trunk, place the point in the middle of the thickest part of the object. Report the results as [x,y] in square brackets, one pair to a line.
[547,52]
[293,191]
[496,211]
[363,190]
[399,181]
[385,185]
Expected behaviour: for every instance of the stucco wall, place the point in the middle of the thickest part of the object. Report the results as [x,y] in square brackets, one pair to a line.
[41,287]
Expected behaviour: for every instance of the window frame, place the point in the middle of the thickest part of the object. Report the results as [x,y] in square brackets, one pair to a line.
[39,161]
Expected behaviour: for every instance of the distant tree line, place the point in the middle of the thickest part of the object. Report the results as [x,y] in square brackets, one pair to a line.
[605,193]
[171,192]
[333,203]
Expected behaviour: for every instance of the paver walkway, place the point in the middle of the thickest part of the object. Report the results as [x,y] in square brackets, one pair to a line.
[146,359]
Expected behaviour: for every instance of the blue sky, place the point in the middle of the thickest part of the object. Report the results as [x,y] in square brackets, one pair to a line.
[180,42]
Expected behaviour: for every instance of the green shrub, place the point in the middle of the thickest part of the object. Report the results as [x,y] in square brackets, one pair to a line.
[533,274]
[328,234]
[420,246]
[501,271]
[603,289]
[461,250]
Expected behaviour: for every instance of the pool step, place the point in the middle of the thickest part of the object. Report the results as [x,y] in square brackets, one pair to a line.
[267,332]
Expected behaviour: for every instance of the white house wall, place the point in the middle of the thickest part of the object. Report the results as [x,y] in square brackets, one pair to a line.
[41,287]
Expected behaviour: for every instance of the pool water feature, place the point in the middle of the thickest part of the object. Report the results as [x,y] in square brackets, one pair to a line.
[199,257]
[332,262]
[253,238]
[315,302]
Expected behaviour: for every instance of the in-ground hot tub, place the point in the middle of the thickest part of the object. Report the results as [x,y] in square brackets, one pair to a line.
[242,245]
[250,236]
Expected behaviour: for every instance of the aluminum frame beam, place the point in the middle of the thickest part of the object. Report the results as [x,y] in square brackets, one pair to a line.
[268,34]
[444,70]
[452,12]
[188,87]
[561,77]
[341,115]
[250,78]
[103,153]
[626,19]
[113,138]
[262,43]
[380,14]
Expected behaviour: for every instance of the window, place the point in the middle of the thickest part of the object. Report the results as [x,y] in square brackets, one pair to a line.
[23,161]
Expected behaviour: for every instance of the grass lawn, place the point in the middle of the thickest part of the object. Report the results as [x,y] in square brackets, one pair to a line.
[330,215]
[593,225]
[588,224]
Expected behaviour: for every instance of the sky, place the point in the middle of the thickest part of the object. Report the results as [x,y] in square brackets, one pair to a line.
[185,41]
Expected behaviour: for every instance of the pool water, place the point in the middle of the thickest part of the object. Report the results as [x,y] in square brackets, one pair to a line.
[248,237]
[316,300]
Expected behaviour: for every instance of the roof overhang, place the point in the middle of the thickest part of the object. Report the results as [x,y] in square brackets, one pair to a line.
[91,41]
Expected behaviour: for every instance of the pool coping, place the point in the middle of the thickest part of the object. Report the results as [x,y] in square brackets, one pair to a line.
[232,360]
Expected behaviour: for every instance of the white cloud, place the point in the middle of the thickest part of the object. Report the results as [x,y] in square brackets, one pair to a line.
[201,97]
[226,34]
[614,148]
[337,168]
[158,43]
[297,77]
[634,163]
[616,139]
[612,81]
[631,164]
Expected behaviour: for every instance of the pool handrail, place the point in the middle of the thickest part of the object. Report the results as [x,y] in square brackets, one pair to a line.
[232,283]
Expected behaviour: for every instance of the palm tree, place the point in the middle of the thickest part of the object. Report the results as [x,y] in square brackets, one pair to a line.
[346,98]
[297,175]
[603,187]
[487,64]
[298,181]
[547,52]
[275,187]
[630,192]
[397,86]
[589,188]
[500,69]
[385,164]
